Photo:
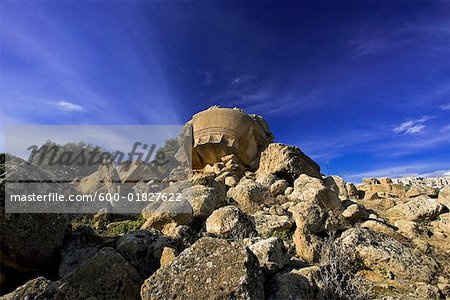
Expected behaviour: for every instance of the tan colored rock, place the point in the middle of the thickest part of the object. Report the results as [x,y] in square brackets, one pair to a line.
[167,215]
[355,213]
[106,180]
[337,184]
[378,226]
[132,172]
[278,187]
[271,253]
[312,190]
[443,223]
[385,180]
[444,196]
[286,162]
[419,208]
[218,132]
[267,224]
[370,181]
[407,228]
[210,269]
[308,246]
[250,195]
[229,221]
[352,191]
[167,256]
[381,252]
[421,190]
[206,199]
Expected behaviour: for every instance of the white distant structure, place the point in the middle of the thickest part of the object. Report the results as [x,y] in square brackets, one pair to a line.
[430,181]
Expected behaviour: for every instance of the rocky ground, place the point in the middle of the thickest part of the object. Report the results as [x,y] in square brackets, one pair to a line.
[277,229]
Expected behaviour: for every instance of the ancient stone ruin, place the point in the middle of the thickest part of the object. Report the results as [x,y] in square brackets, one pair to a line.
[263,223]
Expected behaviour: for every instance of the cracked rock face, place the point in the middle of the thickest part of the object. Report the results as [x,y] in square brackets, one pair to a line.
[210,269]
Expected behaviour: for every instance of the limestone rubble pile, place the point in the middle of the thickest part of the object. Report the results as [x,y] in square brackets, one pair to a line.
[262,223]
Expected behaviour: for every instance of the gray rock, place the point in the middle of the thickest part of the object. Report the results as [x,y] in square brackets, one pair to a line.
[210,269]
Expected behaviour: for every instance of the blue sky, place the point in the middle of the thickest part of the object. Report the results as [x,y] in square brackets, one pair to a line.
[362,87]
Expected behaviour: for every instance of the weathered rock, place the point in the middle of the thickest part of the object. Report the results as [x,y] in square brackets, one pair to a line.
[131,172]
[352,191]
[355,213]
[271,253]
[223,270]
[168,215]
[312,190]
[249,195]
[30,241]
[168,255]
[381,252]
[105,180]
[143,249]
[286,162]
[370,181]
[390,190]
[419,190]
[268,224]
[444,196]
[427,291]
[337,185]
[378,226]
[419,208]
[84,243]
[278,187]
[230,221]
[206,199]
[38,288]
[385,180]
[184,235]
[407,228]
[218,132]
[292,285]
[443,223]
[106,275]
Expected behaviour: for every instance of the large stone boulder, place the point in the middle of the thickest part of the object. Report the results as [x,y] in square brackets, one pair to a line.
[250,195]
[221,131]
[29,242]
[106,179]
[337,184]
[230,221]
[312,190]
[420,208]
[207,196]
[143,249]
[106,275]
[271,253]
[293,285]
[444,196]
[421,190]
[286,162]
[384,253]
[131,172]
[38,288]
[210,269]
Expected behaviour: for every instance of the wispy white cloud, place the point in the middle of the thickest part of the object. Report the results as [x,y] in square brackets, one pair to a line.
[69,106]
[412,126]
[445,106]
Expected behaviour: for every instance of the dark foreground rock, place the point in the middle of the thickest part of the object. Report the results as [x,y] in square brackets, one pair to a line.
[210,269]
